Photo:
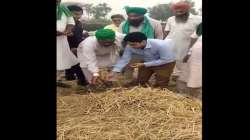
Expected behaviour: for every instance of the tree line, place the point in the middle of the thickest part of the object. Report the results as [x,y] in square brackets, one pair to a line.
[159,12]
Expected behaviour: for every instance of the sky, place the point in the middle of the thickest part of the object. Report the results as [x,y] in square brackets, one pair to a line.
[118,5]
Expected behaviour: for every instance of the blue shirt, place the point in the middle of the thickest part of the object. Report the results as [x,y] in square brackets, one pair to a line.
[157,52]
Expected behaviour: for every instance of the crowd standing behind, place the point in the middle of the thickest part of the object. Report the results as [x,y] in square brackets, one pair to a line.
[137,42]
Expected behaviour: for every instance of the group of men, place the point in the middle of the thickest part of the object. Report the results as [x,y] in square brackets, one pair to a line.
[137,42]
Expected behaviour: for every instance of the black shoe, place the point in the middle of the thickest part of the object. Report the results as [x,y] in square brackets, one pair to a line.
[90,88]
[60,84]
[82,83]
[70,78]
[174,78]
[82,90]
[131,84]
[108,84]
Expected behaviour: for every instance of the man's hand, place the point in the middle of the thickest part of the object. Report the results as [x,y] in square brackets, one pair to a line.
[58,33]
[94,80]
[69,30]
[74,50]
[112,76]
[185,59]
[137,65]
[69,33]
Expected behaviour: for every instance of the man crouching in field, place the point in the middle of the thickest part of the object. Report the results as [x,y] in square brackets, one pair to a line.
[99,52]
[158,58]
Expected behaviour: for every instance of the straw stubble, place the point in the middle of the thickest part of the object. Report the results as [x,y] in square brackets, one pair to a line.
[135,114]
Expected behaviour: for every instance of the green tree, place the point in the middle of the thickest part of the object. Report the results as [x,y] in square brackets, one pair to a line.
[88,8]
[192,10]
[101,10]
[160,12]
[163,11]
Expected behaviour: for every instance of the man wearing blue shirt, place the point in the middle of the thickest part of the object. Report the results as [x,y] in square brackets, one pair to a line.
[158,58]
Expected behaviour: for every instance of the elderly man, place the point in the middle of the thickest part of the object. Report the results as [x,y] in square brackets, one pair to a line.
[179,28]
[138,22]
[117,19]
[99,51]
[191,78]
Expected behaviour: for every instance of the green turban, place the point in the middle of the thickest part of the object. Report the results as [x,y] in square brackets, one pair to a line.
[105,34]
[136,10]
[63,9]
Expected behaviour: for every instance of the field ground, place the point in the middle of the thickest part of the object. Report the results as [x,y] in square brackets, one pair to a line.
[127,114]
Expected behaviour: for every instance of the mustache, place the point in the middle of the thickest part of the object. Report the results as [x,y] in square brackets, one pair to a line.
[183,15]
[182,18]
[135,22]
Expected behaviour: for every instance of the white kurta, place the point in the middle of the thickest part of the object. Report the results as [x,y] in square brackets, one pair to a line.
[92,56]
[180,33]
[65,58]
[192,75]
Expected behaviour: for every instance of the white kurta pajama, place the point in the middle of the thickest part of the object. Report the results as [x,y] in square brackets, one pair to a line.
[92,56]
[65,58]
[180,33]
[192,75]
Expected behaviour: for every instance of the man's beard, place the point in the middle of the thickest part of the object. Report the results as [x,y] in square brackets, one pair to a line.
[136,22]
[182,18]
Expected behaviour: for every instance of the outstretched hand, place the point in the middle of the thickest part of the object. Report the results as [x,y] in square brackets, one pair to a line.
[137,65]
[112,76]
[94,80]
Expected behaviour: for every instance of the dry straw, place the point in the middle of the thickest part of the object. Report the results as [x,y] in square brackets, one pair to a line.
[135,114]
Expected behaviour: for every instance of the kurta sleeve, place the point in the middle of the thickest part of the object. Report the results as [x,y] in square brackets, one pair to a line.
[88,56]
[168,25]
[198,20]
[194,35]
[124,60]
[120,27]
[119,38]
[158,30]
